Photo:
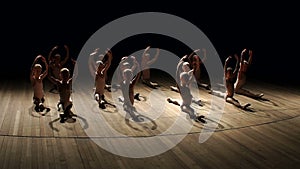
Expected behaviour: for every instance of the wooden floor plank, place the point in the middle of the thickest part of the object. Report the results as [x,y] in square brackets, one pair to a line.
[267,137]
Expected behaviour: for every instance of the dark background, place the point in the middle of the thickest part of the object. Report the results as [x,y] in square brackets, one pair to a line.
[271,30]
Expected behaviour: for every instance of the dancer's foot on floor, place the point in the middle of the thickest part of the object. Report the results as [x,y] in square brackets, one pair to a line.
[137,96]
[260,96]
[172,101]
[102,104]
[200,119]
[246,106]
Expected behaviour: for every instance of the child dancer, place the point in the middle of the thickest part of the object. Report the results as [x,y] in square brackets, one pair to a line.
[230,76]
[64,89]
[195,63]
[127,88]
[187,98]
[145,63]
[36,78]
[56,64]
[241,77]
[100,78]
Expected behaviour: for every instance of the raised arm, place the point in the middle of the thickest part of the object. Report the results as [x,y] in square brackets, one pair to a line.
[108,62]
[31,69]
[110,57]
[75,68]
[145,51]
[150,62]
[50,53]
[237,64]
[135,64]
[95,51]
[137,77]
[226,63]
[179,67]
[92,63]
[35,61]
[183,59]
[45,73]
[250,57]
[204,55]
[243,55]
[193,53]
[67,55]
[190,73]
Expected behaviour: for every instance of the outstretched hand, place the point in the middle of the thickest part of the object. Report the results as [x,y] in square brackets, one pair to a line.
[73,60]
[236,56]
[42,58]
[244,51]
[157,51]
[133,58]
[250,53]
[185,57]
[108,52]
[55,47]
[148,47]
[197,50]
[39,56]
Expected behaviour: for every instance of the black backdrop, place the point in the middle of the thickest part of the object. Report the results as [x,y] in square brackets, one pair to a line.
[271,30]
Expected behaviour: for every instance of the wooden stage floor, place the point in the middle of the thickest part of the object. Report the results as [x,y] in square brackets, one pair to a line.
[266,137]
